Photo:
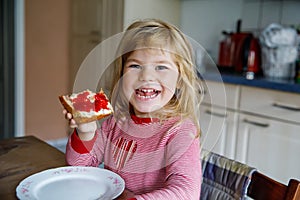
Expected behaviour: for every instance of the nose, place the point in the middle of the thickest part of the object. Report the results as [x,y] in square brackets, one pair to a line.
[147,74]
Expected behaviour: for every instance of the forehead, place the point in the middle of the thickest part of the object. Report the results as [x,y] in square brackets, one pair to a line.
[152,53]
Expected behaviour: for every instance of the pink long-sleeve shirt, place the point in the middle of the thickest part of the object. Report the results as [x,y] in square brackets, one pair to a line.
[157,161]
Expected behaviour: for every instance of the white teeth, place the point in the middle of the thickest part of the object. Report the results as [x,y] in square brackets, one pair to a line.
[147,90]
[146,93]
[147,97]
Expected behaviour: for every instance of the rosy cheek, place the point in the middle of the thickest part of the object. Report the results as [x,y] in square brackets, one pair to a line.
[127,90]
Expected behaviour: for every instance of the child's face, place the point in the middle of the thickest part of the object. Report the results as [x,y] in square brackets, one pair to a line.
[149,80]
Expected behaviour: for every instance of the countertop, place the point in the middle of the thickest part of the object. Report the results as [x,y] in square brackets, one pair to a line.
[259,81]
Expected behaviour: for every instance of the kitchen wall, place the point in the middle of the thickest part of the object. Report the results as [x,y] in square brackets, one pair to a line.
[204,20]
[168,10]
[46,67]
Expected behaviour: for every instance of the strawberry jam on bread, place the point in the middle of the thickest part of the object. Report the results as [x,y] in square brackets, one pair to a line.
[87,106]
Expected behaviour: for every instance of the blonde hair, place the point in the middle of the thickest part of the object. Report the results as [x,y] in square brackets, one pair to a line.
[157,34]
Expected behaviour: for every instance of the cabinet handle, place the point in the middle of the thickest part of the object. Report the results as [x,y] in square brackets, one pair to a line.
[256,123]
[286,106]
[216,114]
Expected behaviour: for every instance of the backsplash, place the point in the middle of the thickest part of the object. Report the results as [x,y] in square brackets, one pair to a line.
[205,20]
[256,15]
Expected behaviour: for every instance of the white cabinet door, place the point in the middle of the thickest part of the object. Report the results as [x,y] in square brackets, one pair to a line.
[271,146]
[218,128]
[222,95]
[271,103]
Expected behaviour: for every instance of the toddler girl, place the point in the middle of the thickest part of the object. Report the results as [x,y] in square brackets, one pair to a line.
[152,139]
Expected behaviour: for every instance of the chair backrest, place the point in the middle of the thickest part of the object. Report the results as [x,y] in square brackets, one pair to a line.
[224,178]
[263,187]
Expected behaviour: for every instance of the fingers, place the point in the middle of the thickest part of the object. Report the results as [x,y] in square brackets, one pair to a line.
[69,117]
[72,123]
[82,128]
[67,114]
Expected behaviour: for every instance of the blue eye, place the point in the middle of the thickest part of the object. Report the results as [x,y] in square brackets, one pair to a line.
[134,66]
[161,67]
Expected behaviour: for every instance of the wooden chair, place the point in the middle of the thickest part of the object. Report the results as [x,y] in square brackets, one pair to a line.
[264,188]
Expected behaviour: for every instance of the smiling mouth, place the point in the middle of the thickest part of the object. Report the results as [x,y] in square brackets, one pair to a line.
[147,93]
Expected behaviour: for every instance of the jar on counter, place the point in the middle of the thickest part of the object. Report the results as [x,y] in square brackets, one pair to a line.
[274,67]
[279,51]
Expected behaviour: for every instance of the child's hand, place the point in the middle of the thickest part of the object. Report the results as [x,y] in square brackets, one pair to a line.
[86,131]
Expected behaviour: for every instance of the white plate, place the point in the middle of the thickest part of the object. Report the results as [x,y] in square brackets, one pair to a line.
[82,183]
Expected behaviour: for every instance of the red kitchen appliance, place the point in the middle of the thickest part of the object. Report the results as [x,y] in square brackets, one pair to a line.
[240,52]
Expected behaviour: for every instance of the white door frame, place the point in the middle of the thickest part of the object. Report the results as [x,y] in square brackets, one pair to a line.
[19,69]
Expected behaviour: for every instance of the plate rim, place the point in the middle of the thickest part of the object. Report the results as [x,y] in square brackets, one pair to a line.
[22,189]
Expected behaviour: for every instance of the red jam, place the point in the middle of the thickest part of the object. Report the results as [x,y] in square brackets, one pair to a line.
[100,102]
[82,102]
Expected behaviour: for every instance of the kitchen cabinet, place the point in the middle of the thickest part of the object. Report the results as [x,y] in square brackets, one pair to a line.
[221,95]
[268,132]
[218,118]
[259,127]
[219,130]
[271,103]
[271,146]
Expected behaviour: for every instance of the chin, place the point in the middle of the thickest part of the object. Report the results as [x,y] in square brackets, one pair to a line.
[146,111]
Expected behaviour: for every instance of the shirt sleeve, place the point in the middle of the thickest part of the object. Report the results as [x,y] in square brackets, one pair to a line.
[84,153]
[88,153]
[80,146]
[184,176]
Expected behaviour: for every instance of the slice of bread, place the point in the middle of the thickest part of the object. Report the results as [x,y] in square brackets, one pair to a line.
[87,106]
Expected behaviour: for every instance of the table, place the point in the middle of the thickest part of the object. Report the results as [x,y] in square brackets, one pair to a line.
[21,157]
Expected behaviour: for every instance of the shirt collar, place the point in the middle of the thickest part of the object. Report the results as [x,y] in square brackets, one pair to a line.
[139,120]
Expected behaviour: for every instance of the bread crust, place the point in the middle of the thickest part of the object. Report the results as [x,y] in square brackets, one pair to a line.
[79,119]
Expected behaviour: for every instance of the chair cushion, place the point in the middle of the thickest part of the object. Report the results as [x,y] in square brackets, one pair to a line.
[223,178]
